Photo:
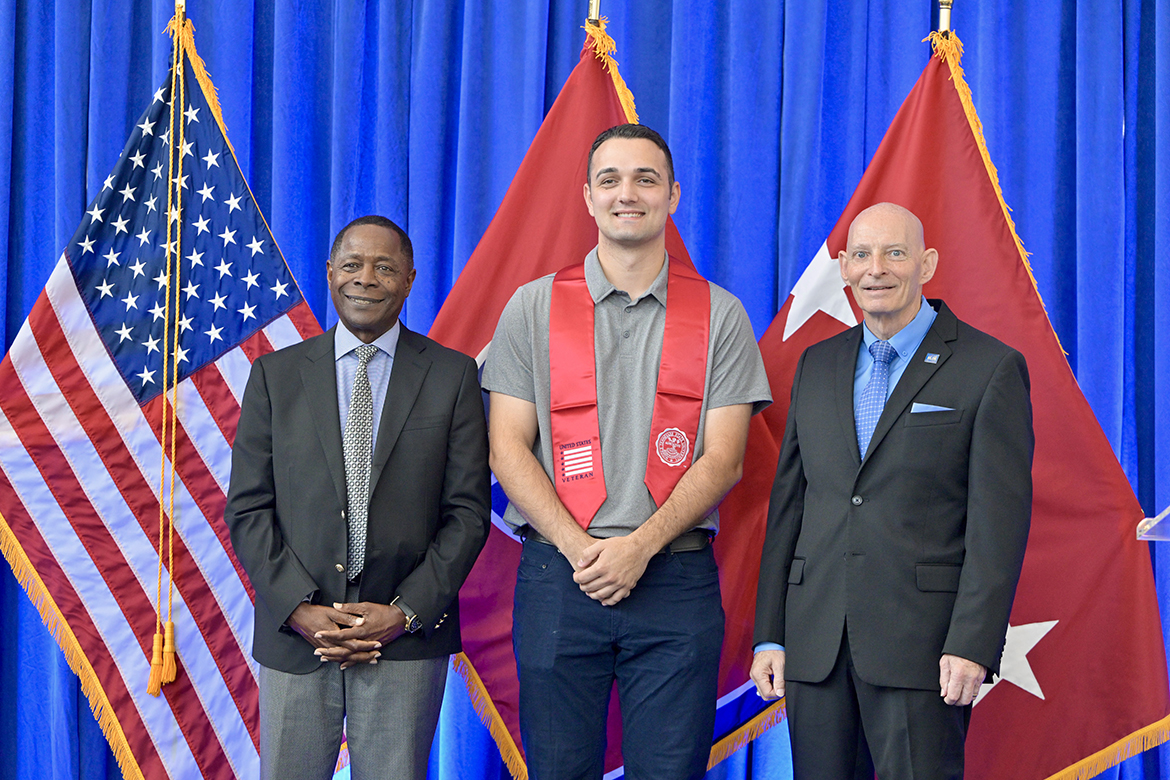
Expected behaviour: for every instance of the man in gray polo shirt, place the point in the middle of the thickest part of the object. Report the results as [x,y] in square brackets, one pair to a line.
[614,452]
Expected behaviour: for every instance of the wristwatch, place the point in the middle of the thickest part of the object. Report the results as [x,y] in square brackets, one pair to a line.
[412,620]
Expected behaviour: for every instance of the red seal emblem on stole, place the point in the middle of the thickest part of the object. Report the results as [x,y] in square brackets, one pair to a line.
[673,446]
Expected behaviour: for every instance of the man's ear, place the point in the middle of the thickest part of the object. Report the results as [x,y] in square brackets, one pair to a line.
[588,200]
[929,264]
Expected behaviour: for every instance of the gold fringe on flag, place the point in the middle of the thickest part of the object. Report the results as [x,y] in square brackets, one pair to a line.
[603,49]
[490,716]
[746,733]
[949,49]
[184,37]
[1126,747]
[91,687]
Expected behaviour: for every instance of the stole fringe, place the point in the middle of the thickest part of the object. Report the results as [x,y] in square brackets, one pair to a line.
[603,49]
[949,48]
[490,716]
[59,627]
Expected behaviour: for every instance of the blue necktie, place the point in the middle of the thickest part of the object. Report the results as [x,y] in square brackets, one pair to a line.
[873,397]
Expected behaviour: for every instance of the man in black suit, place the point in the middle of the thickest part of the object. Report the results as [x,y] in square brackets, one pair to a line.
[358,503]
[897,524]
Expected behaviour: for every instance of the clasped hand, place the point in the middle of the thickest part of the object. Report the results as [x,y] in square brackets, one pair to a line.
[348,634]
[608,569]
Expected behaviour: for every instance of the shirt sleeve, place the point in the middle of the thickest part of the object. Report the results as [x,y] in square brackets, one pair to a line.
[508,366]
[737,369]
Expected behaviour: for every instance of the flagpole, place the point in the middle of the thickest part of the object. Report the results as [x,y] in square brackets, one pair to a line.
[944,15]
[594,12]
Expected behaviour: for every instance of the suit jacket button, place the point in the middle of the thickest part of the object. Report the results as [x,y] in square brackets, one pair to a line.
[339,567]
[856,500]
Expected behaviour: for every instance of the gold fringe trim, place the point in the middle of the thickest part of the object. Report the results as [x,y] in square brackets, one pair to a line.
[51,616]
[490,716]
[1126,747]
[603,48]
[185,38]
[949,48]
[187,41]
[746,733]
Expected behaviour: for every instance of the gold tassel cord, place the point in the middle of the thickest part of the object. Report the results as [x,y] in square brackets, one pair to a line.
[154,684]
[164,665]
[490,716]
[603,49]
[59,628]
[173,288]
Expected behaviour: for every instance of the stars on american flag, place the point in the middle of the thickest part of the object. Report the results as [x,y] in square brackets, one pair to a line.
[206,235]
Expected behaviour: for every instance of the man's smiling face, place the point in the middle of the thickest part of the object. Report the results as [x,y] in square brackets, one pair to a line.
[369,279]
[885,265]
[629,192]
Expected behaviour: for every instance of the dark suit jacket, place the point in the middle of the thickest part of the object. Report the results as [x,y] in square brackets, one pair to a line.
[916,551]
[430,499]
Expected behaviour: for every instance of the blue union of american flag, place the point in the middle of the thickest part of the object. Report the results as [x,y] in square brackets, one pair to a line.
[82,469]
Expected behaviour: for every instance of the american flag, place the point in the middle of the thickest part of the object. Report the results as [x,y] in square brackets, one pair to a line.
[81,395]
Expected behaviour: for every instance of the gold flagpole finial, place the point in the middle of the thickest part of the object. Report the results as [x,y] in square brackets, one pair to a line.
[594,12]
[944,15]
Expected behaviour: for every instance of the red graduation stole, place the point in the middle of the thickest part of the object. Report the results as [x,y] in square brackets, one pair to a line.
[576,441]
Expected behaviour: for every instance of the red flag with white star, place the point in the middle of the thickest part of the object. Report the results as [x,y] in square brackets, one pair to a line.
[1083,682]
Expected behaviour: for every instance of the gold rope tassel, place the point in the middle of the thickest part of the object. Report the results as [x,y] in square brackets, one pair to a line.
[603,49]
[169,667]
[154,685]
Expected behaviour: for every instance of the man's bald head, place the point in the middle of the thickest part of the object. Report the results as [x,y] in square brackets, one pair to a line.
[894,212]
[885,264]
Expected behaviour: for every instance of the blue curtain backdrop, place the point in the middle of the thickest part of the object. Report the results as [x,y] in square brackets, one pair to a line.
[423,110]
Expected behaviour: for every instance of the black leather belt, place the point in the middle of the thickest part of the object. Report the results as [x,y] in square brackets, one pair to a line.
[691,541]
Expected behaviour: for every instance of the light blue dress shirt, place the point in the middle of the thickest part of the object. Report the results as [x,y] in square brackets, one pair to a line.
[905,342]
[378,370]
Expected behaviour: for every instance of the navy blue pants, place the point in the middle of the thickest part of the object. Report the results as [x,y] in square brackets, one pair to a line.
[661,644]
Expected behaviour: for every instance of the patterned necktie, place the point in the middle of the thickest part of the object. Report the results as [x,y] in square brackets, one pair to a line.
[873,397]
[358,443]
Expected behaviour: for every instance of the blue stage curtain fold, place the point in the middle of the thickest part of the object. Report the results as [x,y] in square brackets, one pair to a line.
[423,109]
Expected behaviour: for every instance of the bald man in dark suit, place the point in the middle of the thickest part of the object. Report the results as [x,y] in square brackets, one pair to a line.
[897,524]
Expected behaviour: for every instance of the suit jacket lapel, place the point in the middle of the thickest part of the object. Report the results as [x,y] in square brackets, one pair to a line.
[918,373]
[406,378]
[843,390]
[319,377]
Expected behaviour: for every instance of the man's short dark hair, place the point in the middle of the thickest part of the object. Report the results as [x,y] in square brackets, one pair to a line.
[632,131]
[374,219]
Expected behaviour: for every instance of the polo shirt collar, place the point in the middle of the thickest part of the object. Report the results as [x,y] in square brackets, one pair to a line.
[600,287]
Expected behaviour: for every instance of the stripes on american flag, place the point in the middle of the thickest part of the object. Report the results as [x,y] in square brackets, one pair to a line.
[80,417]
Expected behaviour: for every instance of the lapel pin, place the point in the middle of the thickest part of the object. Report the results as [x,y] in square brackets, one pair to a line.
[931,357]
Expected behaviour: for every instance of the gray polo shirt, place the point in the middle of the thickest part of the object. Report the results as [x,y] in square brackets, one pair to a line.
[627,343]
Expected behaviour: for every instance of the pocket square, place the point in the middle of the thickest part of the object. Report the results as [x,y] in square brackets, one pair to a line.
[917,407]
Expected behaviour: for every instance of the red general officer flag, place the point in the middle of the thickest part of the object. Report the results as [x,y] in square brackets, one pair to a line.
[542,225]
[1086,595]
